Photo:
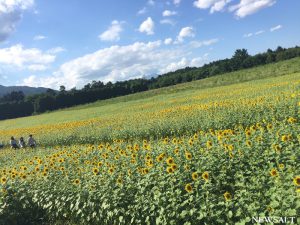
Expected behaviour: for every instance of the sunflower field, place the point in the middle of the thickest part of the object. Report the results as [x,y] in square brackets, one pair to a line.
[219,155]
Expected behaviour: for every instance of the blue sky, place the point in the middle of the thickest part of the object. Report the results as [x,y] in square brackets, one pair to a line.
[53,43]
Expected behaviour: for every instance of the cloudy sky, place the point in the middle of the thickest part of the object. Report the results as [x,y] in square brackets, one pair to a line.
[52,43]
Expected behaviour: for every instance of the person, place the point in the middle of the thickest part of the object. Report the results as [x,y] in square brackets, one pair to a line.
[31,141]
[1,145]
[22,142]
[13,143]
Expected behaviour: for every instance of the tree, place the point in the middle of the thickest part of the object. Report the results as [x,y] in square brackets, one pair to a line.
[14,96]
[51,92]
[62,89]
[240,55]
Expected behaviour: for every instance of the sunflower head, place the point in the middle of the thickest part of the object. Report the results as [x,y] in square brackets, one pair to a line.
[205,176]
[297,180]
[188,188]
[3,180]
[119,181]
[76,182]
[281,166]
[273,172]
[227,196]
[170,169]
[188,155]
[95,171]
[195,176]
[174,166]
[170,161]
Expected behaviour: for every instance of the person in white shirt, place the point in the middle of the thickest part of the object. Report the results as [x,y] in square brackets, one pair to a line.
[22,142]
[13,143]
[31,141]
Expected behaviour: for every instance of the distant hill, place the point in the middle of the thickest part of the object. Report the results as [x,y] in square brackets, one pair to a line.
[26,90]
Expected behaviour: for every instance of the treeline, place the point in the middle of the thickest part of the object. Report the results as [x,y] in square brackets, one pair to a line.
[15,104]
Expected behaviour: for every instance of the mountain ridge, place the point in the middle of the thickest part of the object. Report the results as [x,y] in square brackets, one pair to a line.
[25,89]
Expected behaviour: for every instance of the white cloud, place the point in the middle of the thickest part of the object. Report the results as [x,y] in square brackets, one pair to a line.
[113,32]
[56,50]
[18,56]
[39,37]
[219,6]
[11,12]
[147,26]
[37,67]
[168,41]
[214,5]
[168,21]
[248,7]
[248,35]
[176,2]
[32,81]
[184,62]
[259,32]
[199,44]
[241,9]
[275,28]
[252,34]
[185,32]
[117,63]
[169,13]
[142,11]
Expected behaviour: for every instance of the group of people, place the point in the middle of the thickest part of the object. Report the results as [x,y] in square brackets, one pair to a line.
[22,144]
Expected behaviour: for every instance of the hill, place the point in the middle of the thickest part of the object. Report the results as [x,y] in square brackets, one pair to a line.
[25,89]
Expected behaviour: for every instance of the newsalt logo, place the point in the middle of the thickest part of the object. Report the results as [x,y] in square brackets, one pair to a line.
[287,220]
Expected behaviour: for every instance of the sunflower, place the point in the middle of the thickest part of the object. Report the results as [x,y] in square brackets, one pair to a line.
[188,155]
[281,166]
[170,161]
[95,171]
[44,174]
[209,144]
[205,176]
[111,170]
[188,188]
[292,120]
[248,133]
[159,158]
[145,170]
[248,143]
[76,181]
[269,126]
[297,180]
[119,181]
[170,170]
[284,138]
[273,172]
[195,176]
[174,166]
[176,151]
[227,196]
[3,180]
[276,148]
